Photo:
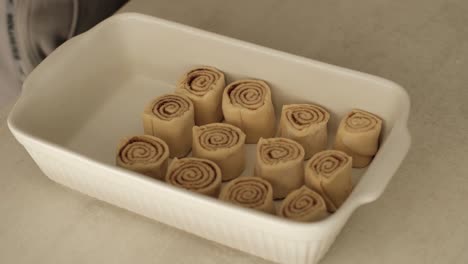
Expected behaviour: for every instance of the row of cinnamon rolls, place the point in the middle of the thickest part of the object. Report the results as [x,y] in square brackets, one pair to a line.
[202,97]
[279,171]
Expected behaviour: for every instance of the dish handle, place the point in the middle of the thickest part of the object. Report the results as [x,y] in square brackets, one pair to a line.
[61,55]
[387,161]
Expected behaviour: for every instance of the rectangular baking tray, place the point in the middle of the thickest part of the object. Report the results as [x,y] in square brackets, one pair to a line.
[90,92]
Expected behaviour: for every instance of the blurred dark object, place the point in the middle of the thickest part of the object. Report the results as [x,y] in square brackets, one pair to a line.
[37,27]
[92,12]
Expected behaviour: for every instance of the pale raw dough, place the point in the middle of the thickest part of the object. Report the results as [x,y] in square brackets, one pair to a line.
[304,205]
[329,173]
[306,124]
[144,154]
[247,104]
[171,118]
[198,175]
[223,144]
[280,162]
[358,135]
[250,192]
[204,86]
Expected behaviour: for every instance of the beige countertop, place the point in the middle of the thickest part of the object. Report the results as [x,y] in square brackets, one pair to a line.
[421,218]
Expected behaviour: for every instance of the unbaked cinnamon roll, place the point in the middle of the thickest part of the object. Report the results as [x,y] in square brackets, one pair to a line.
[329,173]
[171,118]
[304,205]
[144,154]
[247,104]
[358,136]
[280,162]
[250,192]
[223,144]
[306,124]
[204,86]
[198,175]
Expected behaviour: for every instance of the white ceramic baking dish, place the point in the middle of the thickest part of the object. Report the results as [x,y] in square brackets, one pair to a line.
[89,93]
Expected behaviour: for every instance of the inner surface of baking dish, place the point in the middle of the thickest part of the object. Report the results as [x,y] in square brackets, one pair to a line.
[92,90]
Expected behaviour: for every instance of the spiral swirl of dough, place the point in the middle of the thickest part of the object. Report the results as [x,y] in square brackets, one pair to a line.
[200,81]
[300,203]
[171,106]
[194,174]
[276,150]
[216,136]
[326,163]
[251,192]
[303,115]
[142,149]
[250,94]
[361,121]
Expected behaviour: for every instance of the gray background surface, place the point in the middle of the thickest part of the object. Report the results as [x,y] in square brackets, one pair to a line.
[422,216]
